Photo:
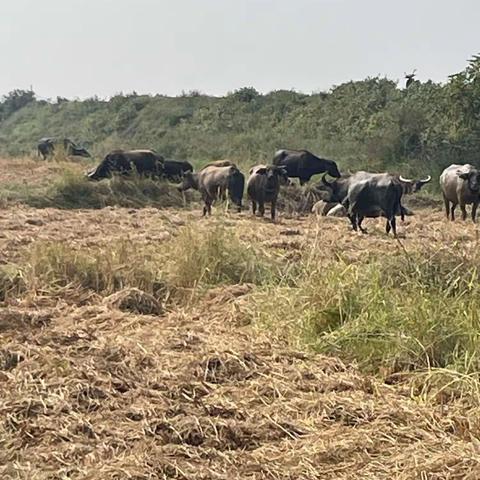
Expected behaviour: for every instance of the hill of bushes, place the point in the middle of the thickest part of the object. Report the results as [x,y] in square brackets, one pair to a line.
[371,124]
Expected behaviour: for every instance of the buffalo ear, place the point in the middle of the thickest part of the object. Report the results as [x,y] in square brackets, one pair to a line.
[463,176]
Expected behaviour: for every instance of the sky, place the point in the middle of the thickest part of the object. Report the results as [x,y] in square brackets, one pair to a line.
[81,48]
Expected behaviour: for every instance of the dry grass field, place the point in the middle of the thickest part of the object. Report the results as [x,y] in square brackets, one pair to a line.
[145,343]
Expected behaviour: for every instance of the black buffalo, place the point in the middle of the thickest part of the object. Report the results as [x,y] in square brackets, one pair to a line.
[46,148]
[303,165]
[174,170]
[365,194]
[263,186]
[125,162]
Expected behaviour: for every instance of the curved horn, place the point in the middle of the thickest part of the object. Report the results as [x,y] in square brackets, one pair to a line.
[426,180]
[324,180]
[405,180]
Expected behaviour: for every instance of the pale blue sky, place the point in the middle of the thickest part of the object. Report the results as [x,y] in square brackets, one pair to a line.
[78,48]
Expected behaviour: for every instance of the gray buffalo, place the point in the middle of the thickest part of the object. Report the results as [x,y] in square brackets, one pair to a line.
[46,148]
[263,186]
[303,165]
[125,162]
[460,185]
[212,181]
[365,194]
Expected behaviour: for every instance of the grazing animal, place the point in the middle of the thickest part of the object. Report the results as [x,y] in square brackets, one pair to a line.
[263,186]
[174,170]
[303,165]
[460,185]
[46,148]
[124,162]
[222,193]
[409,186]
[365,194]
[212,181]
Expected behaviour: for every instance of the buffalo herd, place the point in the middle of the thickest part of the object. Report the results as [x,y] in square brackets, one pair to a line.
[356,195]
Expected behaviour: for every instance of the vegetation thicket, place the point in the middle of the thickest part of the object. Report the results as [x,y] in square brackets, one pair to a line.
[369,124]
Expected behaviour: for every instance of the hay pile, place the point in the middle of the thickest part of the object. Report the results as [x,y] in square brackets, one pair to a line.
[299,199]
[97,393]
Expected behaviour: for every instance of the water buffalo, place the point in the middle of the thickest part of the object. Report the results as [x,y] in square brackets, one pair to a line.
[365,194]
[212,181]
[46,148]
[409,186]
[174,170]
[303,165]
[124,162]
[263,186]
[460,185]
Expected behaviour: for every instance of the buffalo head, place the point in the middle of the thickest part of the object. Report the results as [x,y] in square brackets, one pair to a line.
[413,186]
[189,180]
[334,193]
[332,168]
[473,179]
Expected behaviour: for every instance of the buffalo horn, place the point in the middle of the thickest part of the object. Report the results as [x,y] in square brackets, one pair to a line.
[426,180]
[324,180]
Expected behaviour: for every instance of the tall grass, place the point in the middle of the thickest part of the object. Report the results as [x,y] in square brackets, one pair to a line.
[54,265]
[71,189]
[193,259]
[392,314]
[216,256]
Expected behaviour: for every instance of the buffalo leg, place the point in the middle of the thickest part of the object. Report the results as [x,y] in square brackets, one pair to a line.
[208,205]
[474,212]
[272,210]
[393,223]
[254,207]
[464,211]
[388,227]
[360,220]
[261,208]
[452,212]
[447,206]
[353,221]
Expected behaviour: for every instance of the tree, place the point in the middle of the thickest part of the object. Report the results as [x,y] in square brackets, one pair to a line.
[15,100]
